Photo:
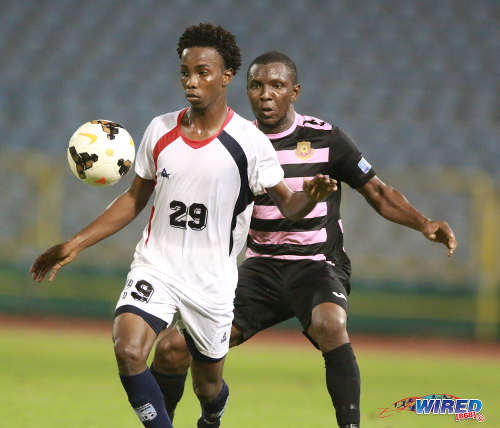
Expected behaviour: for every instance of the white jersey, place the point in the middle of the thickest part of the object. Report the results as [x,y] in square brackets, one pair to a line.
[203,202]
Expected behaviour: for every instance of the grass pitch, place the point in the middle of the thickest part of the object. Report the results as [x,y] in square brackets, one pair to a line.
[59,379]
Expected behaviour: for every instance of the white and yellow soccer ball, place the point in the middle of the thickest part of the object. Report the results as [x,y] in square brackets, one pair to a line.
[100,152]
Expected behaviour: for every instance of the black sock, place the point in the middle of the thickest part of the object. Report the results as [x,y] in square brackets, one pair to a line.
[211,412]
[343,383]
[172,387]
[145,397]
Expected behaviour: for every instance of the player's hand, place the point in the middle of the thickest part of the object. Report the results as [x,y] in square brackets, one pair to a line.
[53,259]
[440,231]
[319,187]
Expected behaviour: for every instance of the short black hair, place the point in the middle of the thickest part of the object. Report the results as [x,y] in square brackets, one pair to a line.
[278,57]
[209,35]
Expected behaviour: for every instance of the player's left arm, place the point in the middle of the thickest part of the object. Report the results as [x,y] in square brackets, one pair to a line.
[393,205]
[296,205]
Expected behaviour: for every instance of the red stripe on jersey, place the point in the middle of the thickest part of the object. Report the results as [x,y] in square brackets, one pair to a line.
[196,144]
[149,224]
[163,142]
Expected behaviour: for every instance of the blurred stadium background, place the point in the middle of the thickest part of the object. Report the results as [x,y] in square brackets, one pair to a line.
[414,82]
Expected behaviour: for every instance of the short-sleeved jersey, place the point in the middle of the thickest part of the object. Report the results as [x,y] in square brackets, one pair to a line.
[203,199]
[310,146]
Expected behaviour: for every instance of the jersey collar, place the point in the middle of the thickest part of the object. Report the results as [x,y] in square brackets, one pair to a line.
[286,132]
[196,144]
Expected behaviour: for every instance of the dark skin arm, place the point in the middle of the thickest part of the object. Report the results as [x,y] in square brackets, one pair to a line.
[296,205]
[393,206]
[120,213]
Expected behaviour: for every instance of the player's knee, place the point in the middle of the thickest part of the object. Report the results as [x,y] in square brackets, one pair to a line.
[172,355]
[329,327]
[129,356]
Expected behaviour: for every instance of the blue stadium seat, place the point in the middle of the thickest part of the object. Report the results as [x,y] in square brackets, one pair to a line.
[386,70]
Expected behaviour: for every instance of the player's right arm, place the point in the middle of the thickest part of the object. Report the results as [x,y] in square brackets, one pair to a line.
[120,213]
[296,205]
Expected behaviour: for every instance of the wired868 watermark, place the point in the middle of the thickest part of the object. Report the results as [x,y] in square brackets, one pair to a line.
[437,404]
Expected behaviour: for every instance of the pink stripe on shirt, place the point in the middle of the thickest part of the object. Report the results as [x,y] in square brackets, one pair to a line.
[290,157]
[296,183]
[297,238]
[318,257]
[272,212]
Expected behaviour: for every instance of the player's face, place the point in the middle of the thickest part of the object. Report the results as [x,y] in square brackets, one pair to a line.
[203,76]
[271,92]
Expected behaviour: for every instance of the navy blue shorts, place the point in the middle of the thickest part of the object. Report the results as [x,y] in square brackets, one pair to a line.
[271,291]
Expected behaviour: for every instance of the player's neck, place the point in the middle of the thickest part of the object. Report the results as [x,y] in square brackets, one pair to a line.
[198,124]
[285,123]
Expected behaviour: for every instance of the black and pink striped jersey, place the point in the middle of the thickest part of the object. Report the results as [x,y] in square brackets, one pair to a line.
[310,146]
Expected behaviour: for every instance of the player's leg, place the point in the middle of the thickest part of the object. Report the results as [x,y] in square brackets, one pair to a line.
[328,330]
[258,304]
[211,390]
[170,367]
[171,364]
[207,330]
[328,326]
[136,326]
[207,368]
[319,296]
[237,335]
[133,339]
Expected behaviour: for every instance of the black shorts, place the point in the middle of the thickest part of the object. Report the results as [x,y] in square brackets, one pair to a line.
[271,291]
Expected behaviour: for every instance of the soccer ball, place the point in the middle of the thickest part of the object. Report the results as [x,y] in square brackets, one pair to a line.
[100,152]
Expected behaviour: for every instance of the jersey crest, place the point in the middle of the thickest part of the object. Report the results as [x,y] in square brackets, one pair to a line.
[304,150]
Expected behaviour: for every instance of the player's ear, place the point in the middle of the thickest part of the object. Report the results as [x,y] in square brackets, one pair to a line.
[296,91]
[227,76]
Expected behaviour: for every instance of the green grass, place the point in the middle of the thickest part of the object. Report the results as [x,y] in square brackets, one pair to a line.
[70,380]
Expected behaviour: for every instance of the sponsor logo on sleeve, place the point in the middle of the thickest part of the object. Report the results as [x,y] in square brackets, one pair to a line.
[364,165]
[339,295]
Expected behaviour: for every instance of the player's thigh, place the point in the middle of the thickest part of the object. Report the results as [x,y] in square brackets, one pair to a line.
[259,302]
[171,353]
[171,340]
[236,336]
[312,283]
